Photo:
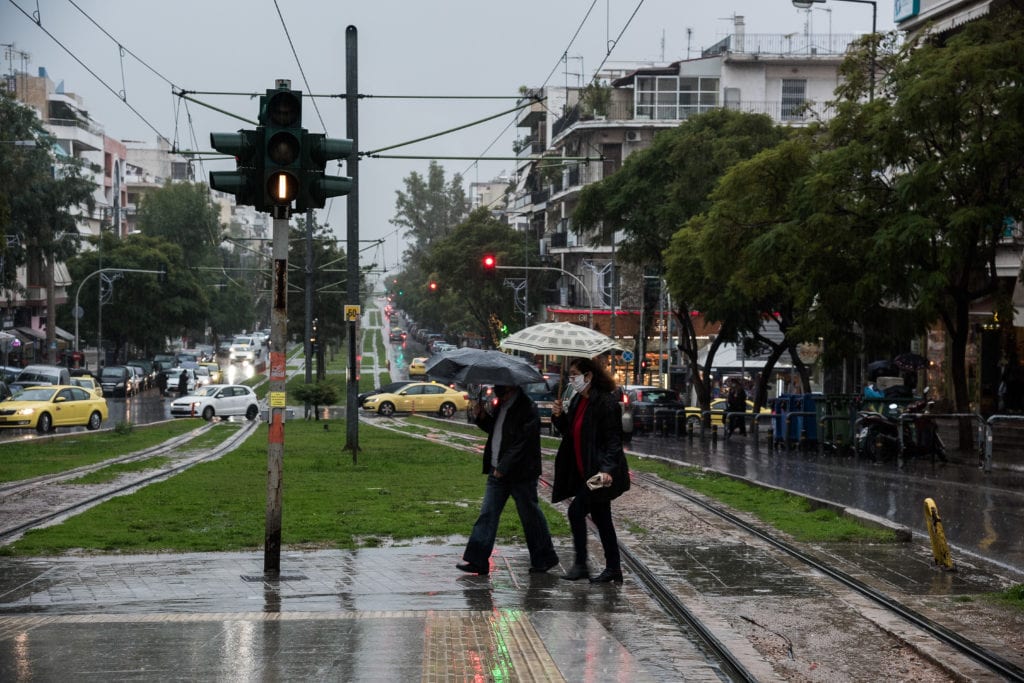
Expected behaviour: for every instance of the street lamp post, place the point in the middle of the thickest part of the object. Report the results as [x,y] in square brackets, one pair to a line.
[807,4]
[590,299]
[97,272]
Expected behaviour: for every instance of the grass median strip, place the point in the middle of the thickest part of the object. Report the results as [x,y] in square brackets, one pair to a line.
[108,474]
[400,489]
[27,459]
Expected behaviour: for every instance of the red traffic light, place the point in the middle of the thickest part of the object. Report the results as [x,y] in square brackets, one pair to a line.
[490,262]
[432,286]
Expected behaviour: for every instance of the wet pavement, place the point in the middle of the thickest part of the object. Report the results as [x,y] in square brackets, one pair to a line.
[982,513]
[373,614]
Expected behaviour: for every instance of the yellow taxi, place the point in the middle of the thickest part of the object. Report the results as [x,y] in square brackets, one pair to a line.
[418,367]
[419,397]
[216,375]
[47,407]
[88,382]
[717,418]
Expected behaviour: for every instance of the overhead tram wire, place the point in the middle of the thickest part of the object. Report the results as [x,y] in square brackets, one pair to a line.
[92,73]
[565,52]
[298,63]
[615,43]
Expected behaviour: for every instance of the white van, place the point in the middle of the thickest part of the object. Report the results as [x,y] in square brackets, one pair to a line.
[37,375]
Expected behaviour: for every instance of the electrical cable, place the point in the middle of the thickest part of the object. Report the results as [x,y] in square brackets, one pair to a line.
[298,63]
[38,22]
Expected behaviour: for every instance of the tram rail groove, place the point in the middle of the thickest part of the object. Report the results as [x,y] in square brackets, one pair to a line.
[23,485]
[12,533]
[947,636]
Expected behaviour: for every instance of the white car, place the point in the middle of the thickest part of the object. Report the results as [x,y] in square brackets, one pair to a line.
[244,348]
[217,400]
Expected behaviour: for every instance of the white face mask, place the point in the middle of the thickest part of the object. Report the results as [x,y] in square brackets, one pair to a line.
[579,383]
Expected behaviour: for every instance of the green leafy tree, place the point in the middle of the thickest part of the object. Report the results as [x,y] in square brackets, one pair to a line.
[329,267]
[949,167]
[183,214]
[429,208]
[322,393]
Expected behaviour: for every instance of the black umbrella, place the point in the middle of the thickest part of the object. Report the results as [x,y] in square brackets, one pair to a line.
[477,366]
[878,368]
[910,362]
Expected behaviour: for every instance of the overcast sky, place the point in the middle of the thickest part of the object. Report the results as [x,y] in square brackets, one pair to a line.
[406,47]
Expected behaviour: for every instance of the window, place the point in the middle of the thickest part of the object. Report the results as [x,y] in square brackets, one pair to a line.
[794,95]
[674,97]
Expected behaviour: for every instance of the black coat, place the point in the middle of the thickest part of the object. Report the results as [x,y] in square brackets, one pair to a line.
[601,434]
[519,459]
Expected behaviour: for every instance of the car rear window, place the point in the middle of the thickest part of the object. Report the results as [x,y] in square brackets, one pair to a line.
[655,396]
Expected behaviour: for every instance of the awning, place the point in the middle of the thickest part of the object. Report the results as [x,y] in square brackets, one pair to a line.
[63,334]
[29,333]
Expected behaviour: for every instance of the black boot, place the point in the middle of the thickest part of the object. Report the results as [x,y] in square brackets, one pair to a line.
[607,576]
[576,572]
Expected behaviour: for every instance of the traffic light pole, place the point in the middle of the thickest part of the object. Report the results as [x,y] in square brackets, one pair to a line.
[352,284]
[276,395]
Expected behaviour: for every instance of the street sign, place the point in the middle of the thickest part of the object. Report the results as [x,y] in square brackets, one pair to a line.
[627,356]
[351,313]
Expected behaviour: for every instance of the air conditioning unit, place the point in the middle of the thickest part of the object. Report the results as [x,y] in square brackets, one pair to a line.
[632,136]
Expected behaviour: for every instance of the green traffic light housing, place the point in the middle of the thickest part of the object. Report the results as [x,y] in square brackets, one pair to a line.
[282,142]
[244,181]
[316,186]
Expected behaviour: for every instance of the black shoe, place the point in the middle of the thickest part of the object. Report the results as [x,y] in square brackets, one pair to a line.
[607,576]
[576,572]
[471,568]
[543,569]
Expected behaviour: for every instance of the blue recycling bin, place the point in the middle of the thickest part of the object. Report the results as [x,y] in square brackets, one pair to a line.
[783,406]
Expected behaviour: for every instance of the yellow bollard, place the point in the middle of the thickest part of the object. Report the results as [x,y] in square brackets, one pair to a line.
[940,549]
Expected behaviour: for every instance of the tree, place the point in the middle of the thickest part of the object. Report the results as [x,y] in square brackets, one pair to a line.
[429,209]
[183,214]
[37,214]
[329,272]
[142,312]
[949,160]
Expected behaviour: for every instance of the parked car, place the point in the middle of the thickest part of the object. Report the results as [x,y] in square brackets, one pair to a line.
[218,400]
[117,380]
[543,395]
[41,375]
[386,389]
[138,379]
[418,367]
[419,397]
[693,416]
[88,382]
[47,407]
[642,401]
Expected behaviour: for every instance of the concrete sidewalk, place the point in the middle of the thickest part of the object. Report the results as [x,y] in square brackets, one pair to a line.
[394,614]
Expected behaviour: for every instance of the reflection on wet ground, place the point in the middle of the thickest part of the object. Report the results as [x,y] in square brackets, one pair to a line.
[981,513]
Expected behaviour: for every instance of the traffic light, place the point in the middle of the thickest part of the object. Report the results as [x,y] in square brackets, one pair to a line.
[245,180]
[490,263]
[315,187]
[282,141]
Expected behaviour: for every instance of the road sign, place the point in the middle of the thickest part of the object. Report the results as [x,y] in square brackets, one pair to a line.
[627,356]
[352,313]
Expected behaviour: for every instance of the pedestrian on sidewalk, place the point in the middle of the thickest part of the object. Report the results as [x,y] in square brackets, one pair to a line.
[512,463]
[736,403]
[590,465]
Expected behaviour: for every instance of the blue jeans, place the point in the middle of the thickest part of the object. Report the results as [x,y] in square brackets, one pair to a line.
[535,525]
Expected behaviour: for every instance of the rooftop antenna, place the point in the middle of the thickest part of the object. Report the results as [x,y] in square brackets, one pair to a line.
[662,45]
[689,37]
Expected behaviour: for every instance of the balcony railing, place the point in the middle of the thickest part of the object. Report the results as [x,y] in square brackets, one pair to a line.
[75,123]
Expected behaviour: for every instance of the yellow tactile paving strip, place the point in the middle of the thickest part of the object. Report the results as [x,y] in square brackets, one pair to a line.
[500,645]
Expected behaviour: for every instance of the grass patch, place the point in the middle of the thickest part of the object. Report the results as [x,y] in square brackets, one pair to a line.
[114,471]
[401,489]
[791,514]
[1012,597]
[27,459]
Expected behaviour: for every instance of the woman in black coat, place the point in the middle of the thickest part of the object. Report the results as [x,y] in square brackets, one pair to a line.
[591,448]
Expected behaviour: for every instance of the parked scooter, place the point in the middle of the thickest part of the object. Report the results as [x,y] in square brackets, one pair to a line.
[877,434]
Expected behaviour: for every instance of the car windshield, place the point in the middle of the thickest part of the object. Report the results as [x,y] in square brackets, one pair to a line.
[34,394]
[206,391]
[112,373]
[654,396]
[539,391]
[34,377]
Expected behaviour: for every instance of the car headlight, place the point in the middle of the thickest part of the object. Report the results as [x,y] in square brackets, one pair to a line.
[26,411]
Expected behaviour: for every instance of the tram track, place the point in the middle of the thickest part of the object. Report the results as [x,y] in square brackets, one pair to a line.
[125,485]
[674,606]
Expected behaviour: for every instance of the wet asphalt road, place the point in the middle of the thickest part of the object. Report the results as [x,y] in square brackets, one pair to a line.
[981,513]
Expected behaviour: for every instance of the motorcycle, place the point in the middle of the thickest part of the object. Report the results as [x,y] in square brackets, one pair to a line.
[884,434]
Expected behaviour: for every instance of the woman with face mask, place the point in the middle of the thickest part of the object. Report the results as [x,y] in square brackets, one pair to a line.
[590,466]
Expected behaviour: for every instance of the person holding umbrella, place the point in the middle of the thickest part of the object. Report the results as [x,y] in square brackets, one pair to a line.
[512,463]
[590,465]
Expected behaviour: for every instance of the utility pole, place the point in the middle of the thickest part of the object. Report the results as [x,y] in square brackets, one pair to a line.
[352,285]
